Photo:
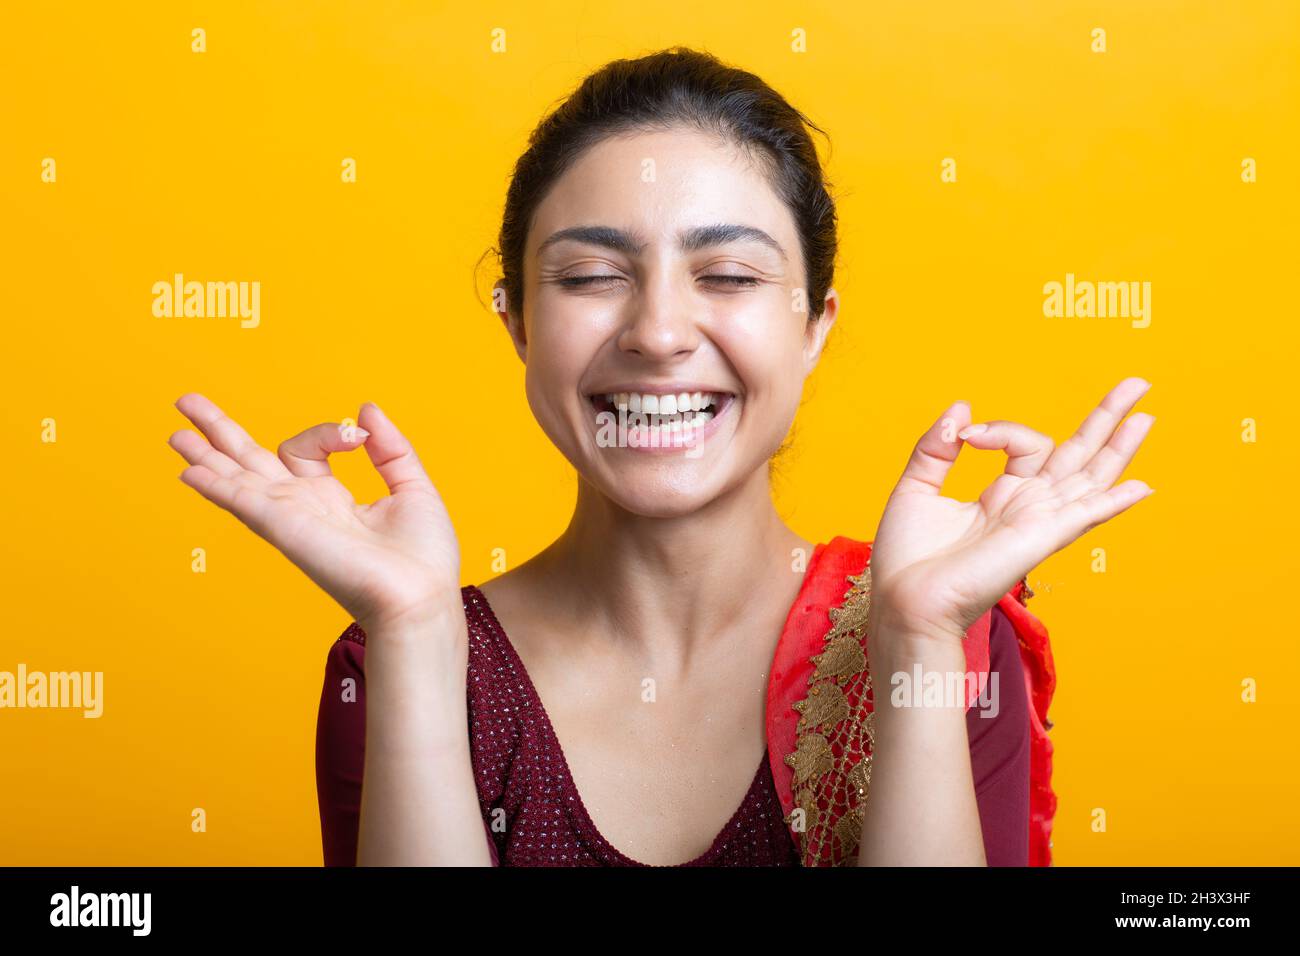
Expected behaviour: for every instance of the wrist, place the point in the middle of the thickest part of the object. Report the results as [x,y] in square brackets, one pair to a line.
[420,661]
[908,637]
[437,636]
[913,673]
[415,622]
[903,653]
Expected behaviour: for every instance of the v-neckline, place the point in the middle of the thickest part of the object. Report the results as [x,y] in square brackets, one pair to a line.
[582,817]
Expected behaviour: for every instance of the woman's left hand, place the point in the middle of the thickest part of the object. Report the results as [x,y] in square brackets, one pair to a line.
[937,564]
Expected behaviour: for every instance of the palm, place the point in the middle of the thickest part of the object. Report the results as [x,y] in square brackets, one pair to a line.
[941,563]
[377,560]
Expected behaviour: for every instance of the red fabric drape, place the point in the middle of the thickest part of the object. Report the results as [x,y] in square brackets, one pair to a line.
[824,587]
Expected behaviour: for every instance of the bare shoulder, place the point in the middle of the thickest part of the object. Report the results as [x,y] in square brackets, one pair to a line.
[523,601]
[511,589]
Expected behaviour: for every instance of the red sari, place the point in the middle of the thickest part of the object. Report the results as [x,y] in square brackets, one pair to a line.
[819,706]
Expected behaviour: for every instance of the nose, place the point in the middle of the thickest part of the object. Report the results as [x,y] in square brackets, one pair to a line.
[660,326]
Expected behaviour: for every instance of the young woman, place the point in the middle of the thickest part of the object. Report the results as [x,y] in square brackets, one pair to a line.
[667,253]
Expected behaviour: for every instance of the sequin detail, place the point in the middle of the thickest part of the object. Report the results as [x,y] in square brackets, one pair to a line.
[527,795]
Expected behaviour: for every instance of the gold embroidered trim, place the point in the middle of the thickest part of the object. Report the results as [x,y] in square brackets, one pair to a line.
[1025,593]
[835,736]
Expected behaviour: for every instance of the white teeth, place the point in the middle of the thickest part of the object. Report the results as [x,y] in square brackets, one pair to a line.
[678,404]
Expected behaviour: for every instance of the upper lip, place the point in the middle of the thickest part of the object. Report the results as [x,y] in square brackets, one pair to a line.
[664,388]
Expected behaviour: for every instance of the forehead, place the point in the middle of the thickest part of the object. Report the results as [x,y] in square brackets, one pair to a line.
[660,182]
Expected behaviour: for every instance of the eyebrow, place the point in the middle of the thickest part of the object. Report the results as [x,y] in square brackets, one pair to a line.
[699,237]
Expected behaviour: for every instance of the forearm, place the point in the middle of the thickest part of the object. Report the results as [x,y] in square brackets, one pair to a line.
[419,803]
[921,808]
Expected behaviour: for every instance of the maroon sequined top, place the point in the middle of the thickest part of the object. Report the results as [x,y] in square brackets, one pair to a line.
[520,768]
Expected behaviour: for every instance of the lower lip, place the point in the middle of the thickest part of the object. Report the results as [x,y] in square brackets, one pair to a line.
[680,443]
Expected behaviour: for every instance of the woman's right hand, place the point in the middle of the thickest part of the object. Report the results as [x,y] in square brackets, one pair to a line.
[388,563]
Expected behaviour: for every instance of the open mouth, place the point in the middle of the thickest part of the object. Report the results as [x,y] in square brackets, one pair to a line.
[673,418]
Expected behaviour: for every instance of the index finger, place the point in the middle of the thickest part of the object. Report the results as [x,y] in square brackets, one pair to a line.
[307,453]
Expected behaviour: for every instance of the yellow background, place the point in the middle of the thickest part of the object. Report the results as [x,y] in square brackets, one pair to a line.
[225,165]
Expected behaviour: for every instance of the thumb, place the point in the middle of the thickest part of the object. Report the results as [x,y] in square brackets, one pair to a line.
[391,454]
[936,450]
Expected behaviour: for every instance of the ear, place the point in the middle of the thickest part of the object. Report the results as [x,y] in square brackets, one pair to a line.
[817,331]
[511,319]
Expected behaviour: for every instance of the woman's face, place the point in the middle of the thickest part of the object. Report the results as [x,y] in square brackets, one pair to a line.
[665,327]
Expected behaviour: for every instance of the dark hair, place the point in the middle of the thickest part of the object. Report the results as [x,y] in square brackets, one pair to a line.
[672,87]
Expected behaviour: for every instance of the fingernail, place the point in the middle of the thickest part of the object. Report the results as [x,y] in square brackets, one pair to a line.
[972,430]
[362,433]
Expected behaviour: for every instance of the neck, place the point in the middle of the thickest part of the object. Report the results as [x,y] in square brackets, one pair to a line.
[672,585]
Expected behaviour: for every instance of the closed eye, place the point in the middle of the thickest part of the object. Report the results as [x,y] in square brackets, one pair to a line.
[575,281]
[586,280]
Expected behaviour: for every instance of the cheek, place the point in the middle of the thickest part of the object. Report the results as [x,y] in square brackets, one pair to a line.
[766,349]
[559,353]
[565,332]
[550,389]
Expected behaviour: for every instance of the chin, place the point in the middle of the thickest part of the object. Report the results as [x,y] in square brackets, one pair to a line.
[667,488]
